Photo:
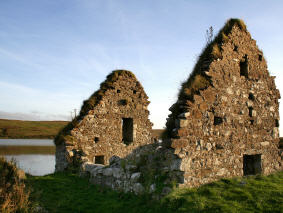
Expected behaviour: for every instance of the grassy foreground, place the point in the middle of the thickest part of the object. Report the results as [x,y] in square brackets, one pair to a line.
[69,193]
[14,196]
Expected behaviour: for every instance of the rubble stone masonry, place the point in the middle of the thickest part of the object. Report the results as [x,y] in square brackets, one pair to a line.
[230,127]
[224,124]
[117,124]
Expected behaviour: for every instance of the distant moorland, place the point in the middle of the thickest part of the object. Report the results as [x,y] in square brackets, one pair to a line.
[30,129]
[38,129]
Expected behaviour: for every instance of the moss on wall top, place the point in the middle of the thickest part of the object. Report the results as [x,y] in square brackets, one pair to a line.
[93,100]
[198,80]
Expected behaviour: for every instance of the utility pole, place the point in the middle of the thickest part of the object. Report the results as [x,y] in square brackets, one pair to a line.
[75,110]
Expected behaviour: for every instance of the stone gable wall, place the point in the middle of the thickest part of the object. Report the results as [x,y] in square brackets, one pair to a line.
[100,132]
[238,115]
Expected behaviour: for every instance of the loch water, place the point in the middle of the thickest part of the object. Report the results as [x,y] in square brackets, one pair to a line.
[34,156]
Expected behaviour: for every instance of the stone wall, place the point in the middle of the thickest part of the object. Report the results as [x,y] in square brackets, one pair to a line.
[230,127]
[151,169]
[117,124]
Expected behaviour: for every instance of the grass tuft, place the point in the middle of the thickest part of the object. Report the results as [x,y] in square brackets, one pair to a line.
[14,197]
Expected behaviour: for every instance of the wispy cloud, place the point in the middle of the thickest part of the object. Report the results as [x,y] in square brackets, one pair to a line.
[20,58]
[38,116]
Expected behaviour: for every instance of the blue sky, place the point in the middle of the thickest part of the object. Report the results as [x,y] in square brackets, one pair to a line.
[55,53]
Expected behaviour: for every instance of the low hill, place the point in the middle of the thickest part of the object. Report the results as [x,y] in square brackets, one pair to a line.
[39,129]
[157,133]
[30,129]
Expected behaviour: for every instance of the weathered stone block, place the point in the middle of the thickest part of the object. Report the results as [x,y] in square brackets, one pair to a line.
[135,176]
[138,188]
[108,172]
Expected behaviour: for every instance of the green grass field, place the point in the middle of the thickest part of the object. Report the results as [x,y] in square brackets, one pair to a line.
[39,129]
[69,193]
[30,129]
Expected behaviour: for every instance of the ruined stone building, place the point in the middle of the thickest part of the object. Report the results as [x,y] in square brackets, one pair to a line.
[113,121]
[224,124]
[225,121]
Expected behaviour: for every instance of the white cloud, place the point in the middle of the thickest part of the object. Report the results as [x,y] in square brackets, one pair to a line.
[39,116]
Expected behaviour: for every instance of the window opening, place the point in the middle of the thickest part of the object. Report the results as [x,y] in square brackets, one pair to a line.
[217,120]
[219,146]
[250,111]
[276,123]
[251,97]
[122,102]
[96,139]
[235,48]
[252,164]
[118,91]
[260,57]
[135,91]
[244,67]
[99,159]
[128,130]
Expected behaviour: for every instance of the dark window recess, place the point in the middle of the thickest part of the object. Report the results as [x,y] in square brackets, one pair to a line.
[252,164]
[96,139]
[217,120]
[118,91]
[252,122]
[260,57]
[134,91]
[99,159]
[235,48]
[251,97]
[244,67]
[276,123]
[251,111]
[128,130]
[122,102]
[219,146]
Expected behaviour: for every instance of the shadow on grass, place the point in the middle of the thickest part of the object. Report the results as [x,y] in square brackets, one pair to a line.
[63,192]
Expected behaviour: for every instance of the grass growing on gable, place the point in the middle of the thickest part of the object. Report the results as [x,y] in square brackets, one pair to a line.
[198,80]
[93,100]
[65,192]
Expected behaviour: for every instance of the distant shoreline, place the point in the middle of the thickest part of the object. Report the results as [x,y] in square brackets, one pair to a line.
[32,137]
[19,129]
